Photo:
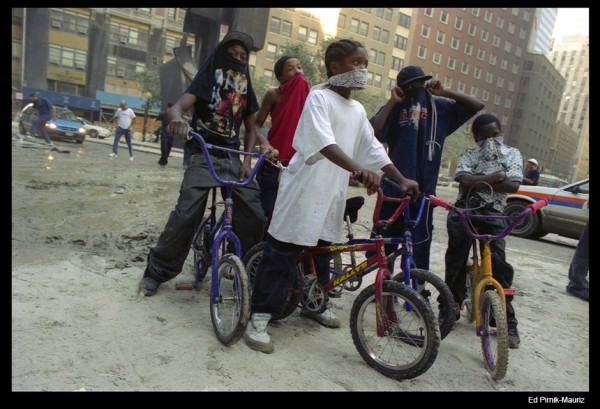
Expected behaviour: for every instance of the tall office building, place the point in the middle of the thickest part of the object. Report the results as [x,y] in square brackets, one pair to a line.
[540,41]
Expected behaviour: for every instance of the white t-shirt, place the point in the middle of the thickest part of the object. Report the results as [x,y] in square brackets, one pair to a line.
[125,117]
[312,190]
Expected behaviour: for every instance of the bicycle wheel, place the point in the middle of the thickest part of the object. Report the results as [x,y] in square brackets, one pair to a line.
[201,248]
[470,286]
[251,260]
[411,341]
[231,311]
[494,340]
[438,295]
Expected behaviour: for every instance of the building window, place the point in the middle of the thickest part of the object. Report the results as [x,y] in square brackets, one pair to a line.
[477,73]
[354,23]
[489,77]
[511,28]
[391,83]
[488,16]
[496,41]
[500,82]
[492,59]
[437,57]
[451,63]
[497,99]
[461,86]
[458,23]
[404,20]
[372,55]
[400,42]
[448,82]
[380,34]
[519,51]
[475,11]
[484,35]
[522,34]
[526,15]
[380,60]
[481,54]
[429,12]
[313,36]
[425,31]
[507,46]
[422,52]
[511,86]
[455,43]
[341,20]
[464,68]
[384,13]
[269,76]
[485,96]
[286,28]
[515,69]
[444,17]
[397,63]
[275,26]
[302,33]
[472,29]
[377,81]
[271,51]
[364,29]
[370,78]
[500,22]
[474,91]
[441,37]
[468,48]
[504,64]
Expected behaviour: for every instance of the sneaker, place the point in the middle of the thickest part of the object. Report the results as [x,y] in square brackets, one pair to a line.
[256,335]
[581,293]
[148,286]
[513,338]
[29,137]
[50,144]
[326,318]
[112,155]
[131,158]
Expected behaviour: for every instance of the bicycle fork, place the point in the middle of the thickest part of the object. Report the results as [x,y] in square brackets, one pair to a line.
[384,309]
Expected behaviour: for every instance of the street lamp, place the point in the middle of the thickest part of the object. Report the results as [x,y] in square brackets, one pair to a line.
[148,96]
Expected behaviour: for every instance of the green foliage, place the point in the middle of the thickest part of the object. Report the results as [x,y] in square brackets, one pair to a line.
[149,81]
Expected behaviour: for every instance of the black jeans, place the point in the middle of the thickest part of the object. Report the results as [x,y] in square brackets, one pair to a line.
[166,143]
[275,275]
[459,248]
[166,259]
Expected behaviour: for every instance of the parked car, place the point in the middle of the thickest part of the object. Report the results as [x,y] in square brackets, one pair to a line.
[564,214]
[66,127]
[95,131]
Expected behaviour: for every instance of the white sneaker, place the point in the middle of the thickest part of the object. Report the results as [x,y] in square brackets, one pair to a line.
[112,155]
[29,137]
[327,318]
[131,158]
[256,335]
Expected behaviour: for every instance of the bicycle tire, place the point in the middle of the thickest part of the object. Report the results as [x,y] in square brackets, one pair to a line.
[251,260]
[202,256]
[395,355]
[438,296]
[470,286]
[494,341]
[231,312]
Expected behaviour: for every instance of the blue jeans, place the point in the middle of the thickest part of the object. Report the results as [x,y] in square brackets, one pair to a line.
[39,125]
[121,131]
[580,264]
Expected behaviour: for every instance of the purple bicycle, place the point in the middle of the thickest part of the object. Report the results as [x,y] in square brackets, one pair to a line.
[486,301]
[216,245]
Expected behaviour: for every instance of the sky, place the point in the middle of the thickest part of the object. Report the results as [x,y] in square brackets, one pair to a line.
[571,21]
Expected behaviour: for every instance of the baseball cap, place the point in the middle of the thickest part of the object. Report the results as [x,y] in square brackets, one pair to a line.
[411,73]
[535,162]
[243,38]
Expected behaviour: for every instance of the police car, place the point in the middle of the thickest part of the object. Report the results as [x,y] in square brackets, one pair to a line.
[564,215]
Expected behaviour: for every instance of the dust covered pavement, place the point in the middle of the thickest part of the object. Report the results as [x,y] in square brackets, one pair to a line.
[81,228]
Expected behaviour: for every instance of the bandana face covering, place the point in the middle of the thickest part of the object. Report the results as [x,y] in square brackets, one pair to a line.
[355,79]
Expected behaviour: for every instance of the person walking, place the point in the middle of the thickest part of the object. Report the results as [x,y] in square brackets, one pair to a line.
[493,165]
[166,139]
[124,116]
[414,123]
[532,175]
[579,286]
[223,99]
[46,111]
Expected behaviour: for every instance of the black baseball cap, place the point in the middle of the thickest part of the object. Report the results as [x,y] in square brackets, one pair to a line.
[410,74]
[238,36]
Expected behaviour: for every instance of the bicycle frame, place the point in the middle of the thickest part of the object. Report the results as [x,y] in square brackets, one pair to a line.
[378,259]
[483,270]
[222,230]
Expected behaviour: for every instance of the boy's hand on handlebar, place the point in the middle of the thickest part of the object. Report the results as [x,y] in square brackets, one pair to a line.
[371,180]
[179,128]
[274,152]
[410,184]
[246,168]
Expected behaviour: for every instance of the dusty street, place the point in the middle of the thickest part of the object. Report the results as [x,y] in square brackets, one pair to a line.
[81,227]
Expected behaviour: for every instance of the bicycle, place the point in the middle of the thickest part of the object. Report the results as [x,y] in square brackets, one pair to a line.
[392,326]
[229,295]
[486,299]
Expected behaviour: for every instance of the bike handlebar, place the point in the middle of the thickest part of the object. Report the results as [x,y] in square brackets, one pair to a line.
[235,183]
[513,220]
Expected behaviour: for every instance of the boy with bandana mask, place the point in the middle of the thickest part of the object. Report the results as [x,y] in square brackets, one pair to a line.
[223,98]
[486,176]
[332,139]
[414,123]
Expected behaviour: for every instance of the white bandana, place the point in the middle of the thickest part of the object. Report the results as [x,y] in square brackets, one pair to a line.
[355,79]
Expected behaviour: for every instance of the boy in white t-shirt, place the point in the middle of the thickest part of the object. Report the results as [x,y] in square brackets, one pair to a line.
[125,116]
[332,139]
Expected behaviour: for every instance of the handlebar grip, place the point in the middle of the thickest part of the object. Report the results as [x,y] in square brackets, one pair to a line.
[538,205]
[439,202]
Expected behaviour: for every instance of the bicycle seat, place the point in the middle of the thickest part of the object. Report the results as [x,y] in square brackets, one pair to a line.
[353,205]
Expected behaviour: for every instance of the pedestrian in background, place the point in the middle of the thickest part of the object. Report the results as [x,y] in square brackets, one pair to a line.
[531,173]
[579,286]
[124,116]
[166,139]
[46,111]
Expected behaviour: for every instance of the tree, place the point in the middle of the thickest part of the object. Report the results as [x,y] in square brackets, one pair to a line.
[149,81]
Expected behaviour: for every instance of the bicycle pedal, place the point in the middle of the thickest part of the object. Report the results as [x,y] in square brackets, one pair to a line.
[184,286]
[510,291]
